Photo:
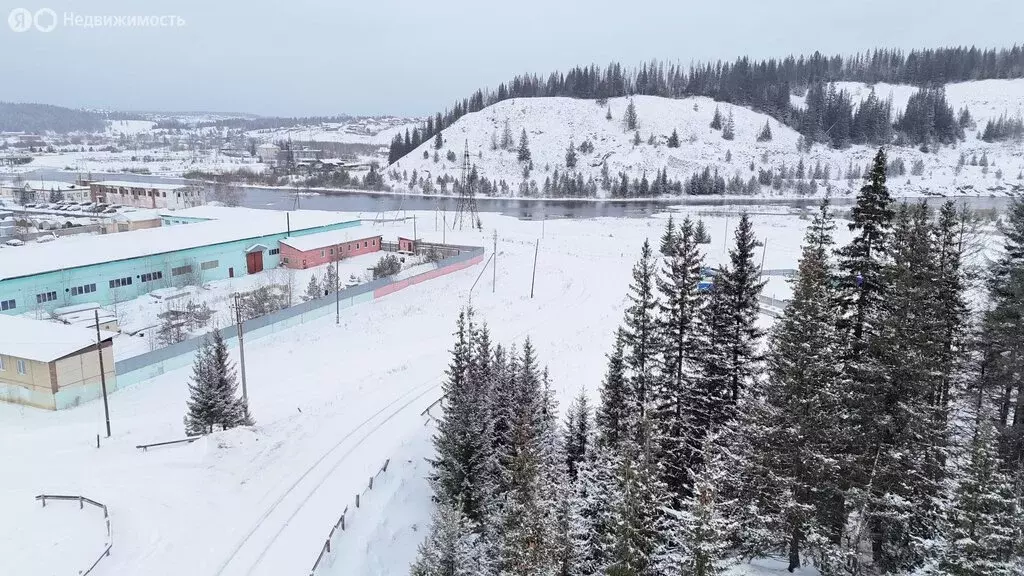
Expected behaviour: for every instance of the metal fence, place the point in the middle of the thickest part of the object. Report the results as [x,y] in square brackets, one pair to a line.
[82,501]
[323,559]
[151,364]
[774,302]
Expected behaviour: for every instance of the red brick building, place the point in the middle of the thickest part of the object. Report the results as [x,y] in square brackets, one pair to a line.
[311,250]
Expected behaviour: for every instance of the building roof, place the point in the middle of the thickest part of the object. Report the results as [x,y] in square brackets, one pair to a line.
[47,185]
[323,239]
[146,185]
[43,341]
[75,252]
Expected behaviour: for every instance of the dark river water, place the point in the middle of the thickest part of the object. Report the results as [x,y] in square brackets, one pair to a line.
[529,208]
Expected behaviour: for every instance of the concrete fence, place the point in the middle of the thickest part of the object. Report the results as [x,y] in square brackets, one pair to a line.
[151,364]
[324,559]
[82,501]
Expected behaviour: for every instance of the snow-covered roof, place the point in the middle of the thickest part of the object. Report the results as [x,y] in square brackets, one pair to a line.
[74,252]
[137,216]
[146,185]
[48,185]
[329,238]
[43,341]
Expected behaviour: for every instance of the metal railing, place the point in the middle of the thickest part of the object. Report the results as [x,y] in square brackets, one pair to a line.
[146,447]
[339,526]
[82,501]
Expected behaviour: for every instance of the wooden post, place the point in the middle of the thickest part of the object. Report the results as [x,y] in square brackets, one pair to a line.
[103,376]
[533,279]
[343,522]
[328,545]
[241,348]
[385,468]
[337,296]
[357,500]
[371,482]
[414,233]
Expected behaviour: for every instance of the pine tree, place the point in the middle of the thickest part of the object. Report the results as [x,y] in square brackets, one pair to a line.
[608,114]
[700,233]
[766,133]
[669,238]
[451,547]
[729,131]
[614,414]
[570,156]
[523,153]
[330,281]
[507,140]
[673,140]
[629,119]
[790,438]
[636,138]
[640,331]
[676,392]
[577,434]
[213,399]
[716,121]
[985,517]
[699,530]
[438,141]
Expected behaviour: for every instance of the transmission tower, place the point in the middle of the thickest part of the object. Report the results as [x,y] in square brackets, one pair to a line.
[466,206]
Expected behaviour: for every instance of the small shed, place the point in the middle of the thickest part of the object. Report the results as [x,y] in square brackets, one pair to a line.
[406,245]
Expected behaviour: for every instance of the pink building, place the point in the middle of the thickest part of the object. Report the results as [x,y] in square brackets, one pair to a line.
[406,245]
[301,252]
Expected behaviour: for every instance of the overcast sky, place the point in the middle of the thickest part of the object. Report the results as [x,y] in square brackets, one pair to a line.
[305,57]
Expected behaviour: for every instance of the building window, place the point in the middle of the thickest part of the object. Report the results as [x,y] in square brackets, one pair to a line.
[373,242]
[21,367]
[151,276]
[322,254]
[332,251]
[209,265]
[8,305]
[186,269]
[274,251]
[46,297]
[119,282]
[364,243]
[84,289]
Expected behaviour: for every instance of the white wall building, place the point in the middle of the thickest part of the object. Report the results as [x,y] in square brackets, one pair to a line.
[147,194]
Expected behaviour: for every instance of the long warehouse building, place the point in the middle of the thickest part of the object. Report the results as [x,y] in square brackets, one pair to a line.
[192,246]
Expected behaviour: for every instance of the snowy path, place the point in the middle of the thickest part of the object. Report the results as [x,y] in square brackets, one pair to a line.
[331,404]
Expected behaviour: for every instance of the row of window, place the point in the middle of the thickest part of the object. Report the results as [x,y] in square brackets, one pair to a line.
[119,282]
[46,297]
[209,264]
[8,304]
[22,369]
[85,289]
[274,251]
[348,247]
[186,269]
[151,276]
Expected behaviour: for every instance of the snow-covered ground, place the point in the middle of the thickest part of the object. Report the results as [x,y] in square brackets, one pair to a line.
[57,539]
[375,130]
[331,403]
[552,123]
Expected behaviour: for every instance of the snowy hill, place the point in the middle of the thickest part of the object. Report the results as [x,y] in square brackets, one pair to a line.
[552,123]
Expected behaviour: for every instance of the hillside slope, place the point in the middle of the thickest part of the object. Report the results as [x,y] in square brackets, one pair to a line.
[552,123]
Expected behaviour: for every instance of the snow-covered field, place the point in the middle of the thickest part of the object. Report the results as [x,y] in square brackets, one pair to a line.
[552,123]
[331,403]
[378,130]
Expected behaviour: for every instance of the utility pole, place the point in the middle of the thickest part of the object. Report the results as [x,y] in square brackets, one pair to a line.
[494,269]
[103,376]
[533,280]
[725,237]
[414,231]
[241,347]
[764,250]
[337,296]
[444,228]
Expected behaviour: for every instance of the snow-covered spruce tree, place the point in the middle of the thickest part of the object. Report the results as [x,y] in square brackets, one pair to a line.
[236,409]
[729,130]
[698,533]
[985,524]
[700,233]
[789,443]
[528,526]
[578,433]
[673,140]
[634,537]
[313,289]
[507,140]
[1002,340]
[331,282]
[676,391]
[739,285]
[716,121]
[204,404]
[641,333]
[523,152]
[570,156]
[766,133]
[629,119]
[669,238]
[451,546]
[460,474]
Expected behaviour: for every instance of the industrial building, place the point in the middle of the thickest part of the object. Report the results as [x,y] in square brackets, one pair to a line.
[147,194]
[311,250]
[193,246]
[52,366]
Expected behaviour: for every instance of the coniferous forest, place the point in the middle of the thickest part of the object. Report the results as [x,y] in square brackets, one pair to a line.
[765,86]
[877,428]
